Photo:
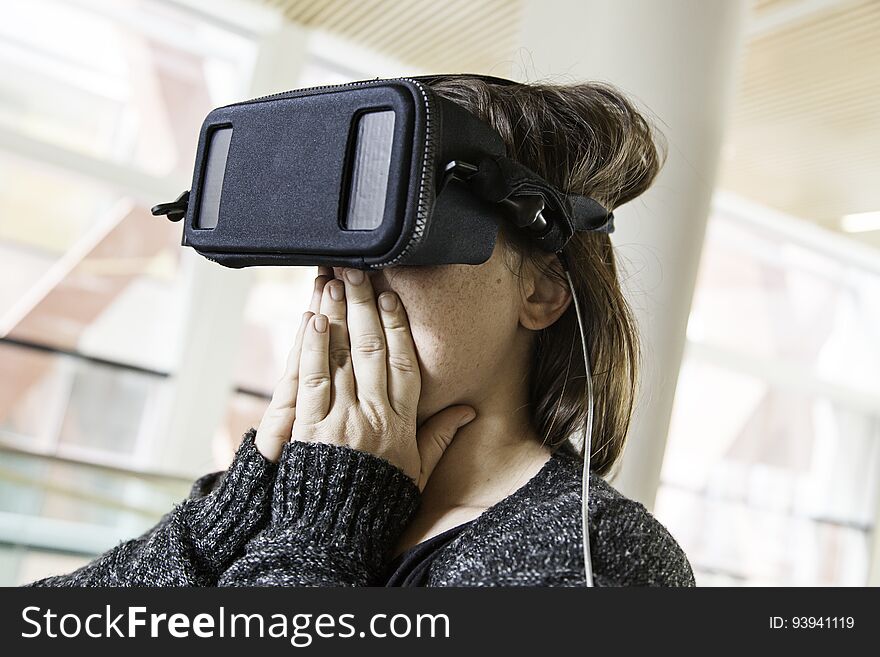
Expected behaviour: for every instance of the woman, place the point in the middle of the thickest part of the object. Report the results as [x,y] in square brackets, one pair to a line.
[422,438]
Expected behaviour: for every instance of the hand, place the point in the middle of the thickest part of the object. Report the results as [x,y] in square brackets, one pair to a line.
[357,382]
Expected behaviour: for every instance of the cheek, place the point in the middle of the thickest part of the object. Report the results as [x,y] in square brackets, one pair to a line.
[461,329]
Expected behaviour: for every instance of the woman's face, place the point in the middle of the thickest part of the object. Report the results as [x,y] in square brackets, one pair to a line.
[464,321]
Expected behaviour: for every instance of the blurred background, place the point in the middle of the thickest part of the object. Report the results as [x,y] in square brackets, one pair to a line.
[130,365]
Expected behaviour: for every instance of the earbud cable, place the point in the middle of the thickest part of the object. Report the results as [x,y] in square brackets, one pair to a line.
[588,430]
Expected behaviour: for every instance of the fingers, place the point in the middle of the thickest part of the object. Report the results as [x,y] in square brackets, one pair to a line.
[404,376]
[325,274]
[341,370]
[276,426]
[367,339]
[313,394]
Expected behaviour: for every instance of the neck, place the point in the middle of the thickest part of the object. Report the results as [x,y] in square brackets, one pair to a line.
[489,458]
[496,453]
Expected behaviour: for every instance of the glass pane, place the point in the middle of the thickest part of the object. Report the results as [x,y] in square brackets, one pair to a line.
[763,296]
[734,543]
[772,467]
[276,302]
[86,270]
[19,565]
[108,408]
[66,405]
[732,436]
[98,79]
[37,228]
[93,289]
[33,395]
[77,509]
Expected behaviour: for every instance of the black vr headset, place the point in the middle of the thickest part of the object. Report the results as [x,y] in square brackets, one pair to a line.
[365,174]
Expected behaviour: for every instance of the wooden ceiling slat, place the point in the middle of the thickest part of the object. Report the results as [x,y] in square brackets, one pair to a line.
[456,13]
[833,96]
[811,161]
[763,65]
[810,66]
[815,26]
[473,54]
[451,47]
[400,20]
[366,31]
[765,71]
[328,14]
[459,34]
[765,6]
[303,11]
[363,12]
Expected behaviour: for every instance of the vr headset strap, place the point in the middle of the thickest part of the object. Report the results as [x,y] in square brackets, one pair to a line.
[499,178]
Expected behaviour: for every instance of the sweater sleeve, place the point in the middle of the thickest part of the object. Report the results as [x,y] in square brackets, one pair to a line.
[194,543]
[336,515]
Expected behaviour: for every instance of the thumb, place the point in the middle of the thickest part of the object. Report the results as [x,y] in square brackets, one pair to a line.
[436,434]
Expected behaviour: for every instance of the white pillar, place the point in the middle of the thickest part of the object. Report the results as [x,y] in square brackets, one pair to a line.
[215,301]
[677,59]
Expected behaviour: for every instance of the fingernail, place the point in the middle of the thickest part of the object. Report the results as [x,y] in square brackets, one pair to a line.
[467,418]
[388,301]
[354,276]
[337,291]
[321,323]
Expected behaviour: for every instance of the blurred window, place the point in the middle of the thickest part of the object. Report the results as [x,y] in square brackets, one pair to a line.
[100,109]
[772,467]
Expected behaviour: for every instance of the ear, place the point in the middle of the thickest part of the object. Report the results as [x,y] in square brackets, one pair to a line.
[544,298]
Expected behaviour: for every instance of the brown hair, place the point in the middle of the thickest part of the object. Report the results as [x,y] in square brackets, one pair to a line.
[585,139]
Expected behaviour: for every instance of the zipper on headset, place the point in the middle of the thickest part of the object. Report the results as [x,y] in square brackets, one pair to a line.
[426,180]
[287,93]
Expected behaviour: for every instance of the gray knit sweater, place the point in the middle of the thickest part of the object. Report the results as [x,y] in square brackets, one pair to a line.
[327,515]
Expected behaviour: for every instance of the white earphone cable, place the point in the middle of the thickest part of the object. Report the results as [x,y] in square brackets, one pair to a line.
[588,433]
